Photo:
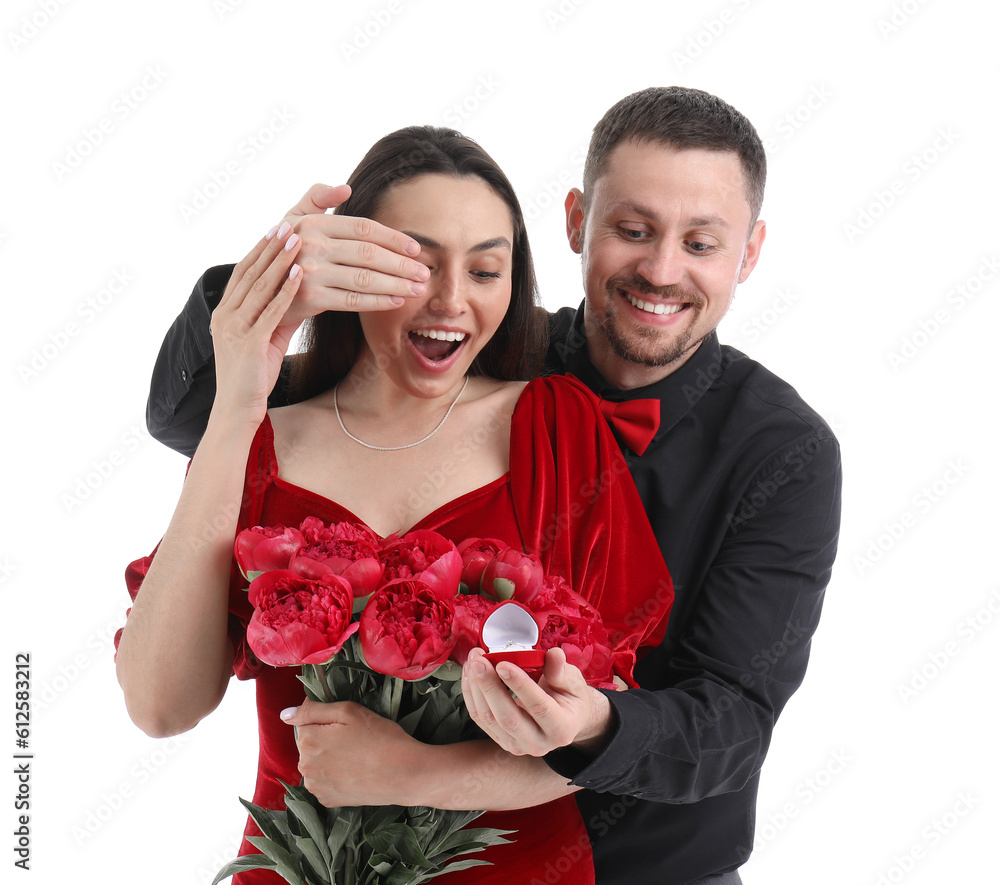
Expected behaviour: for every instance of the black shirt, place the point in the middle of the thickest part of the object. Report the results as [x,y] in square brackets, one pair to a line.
[742,487]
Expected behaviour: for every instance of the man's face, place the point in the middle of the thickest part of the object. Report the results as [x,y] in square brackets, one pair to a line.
[663,235]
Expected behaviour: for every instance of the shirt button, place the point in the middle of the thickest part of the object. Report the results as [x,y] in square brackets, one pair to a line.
[184,375]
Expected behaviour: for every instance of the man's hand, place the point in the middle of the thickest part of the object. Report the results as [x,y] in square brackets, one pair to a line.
[350,263]
[349,755]
[560,710]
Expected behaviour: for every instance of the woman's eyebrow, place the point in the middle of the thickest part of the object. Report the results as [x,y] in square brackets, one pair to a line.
[484,246]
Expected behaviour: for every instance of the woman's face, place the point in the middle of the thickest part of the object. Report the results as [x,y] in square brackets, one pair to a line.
[466,238]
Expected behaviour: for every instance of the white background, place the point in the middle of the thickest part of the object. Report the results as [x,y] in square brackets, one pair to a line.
[873,774]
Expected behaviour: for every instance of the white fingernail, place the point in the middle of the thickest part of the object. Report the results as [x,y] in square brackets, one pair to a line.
[271,232]
[287,713]
[294,272]
[283,230]
[292,240]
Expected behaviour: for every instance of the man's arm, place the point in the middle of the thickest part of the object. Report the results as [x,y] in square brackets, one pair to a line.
[707,730]
[182,388]
[703,724]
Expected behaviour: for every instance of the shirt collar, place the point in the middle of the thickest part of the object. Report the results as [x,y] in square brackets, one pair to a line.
[678,392]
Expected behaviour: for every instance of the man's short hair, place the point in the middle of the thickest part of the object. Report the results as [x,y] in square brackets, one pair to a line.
[680,118]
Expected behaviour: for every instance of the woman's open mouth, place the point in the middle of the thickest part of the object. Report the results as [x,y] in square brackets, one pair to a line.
[437,347]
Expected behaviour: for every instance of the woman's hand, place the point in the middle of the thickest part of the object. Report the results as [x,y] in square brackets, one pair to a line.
[350,263]
[561,709]
[349,755]
[250,329]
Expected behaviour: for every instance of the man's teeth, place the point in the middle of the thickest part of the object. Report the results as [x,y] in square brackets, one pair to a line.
[651,307]
[440,335]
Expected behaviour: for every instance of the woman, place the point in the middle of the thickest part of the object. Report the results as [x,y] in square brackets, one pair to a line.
[418,418]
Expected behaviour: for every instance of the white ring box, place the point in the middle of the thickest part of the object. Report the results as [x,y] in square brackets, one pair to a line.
[511,634]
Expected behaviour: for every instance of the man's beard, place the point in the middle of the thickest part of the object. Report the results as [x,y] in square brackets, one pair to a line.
[642,345]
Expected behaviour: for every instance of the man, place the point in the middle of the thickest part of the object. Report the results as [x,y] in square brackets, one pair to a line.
[741,480]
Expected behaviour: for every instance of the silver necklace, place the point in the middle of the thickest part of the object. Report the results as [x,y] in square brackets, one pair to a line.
[340,421]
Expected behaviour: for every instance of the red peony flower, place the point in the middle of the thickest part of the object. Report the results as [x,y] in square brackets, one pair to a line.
[470,612]
[342,548]
[575,626]
[264,548]
[425,555]
[513,574]
[407,629]
[476,553]
[298,620]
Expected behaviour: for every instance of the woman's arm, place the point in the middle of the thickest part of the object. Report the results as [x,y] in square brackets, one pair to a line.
[351,264]
[349,755]
[174,659]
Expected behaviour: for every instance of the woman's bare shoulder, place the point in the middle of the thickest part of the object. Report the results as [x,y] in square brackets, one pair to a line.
[497,395]
[293,421]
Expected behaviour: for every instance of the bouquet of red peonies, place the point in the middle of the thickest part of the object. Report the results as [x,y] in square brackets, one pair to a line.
[388,624]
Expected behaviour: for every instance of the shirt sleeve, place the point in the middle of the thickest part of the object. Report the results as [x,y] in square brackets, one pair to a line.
[182,388]
[705,728]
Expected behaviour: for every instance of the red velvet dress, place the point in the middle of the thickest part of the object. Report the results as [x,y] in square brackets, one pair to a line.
[568,498]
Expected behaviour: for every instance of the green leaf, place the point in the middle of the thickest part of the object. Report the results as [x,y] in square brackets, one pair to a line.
[376,817]
[271,823]
[449,730]
[457,865]
[242,864]
[411,721]
[310,820]
[287,864]
[463,841]
[317,869]
[346,827]
[398,841]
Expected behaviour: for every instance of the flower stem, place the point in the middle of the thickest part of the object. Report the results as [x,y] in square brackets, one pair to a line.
[397,698]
